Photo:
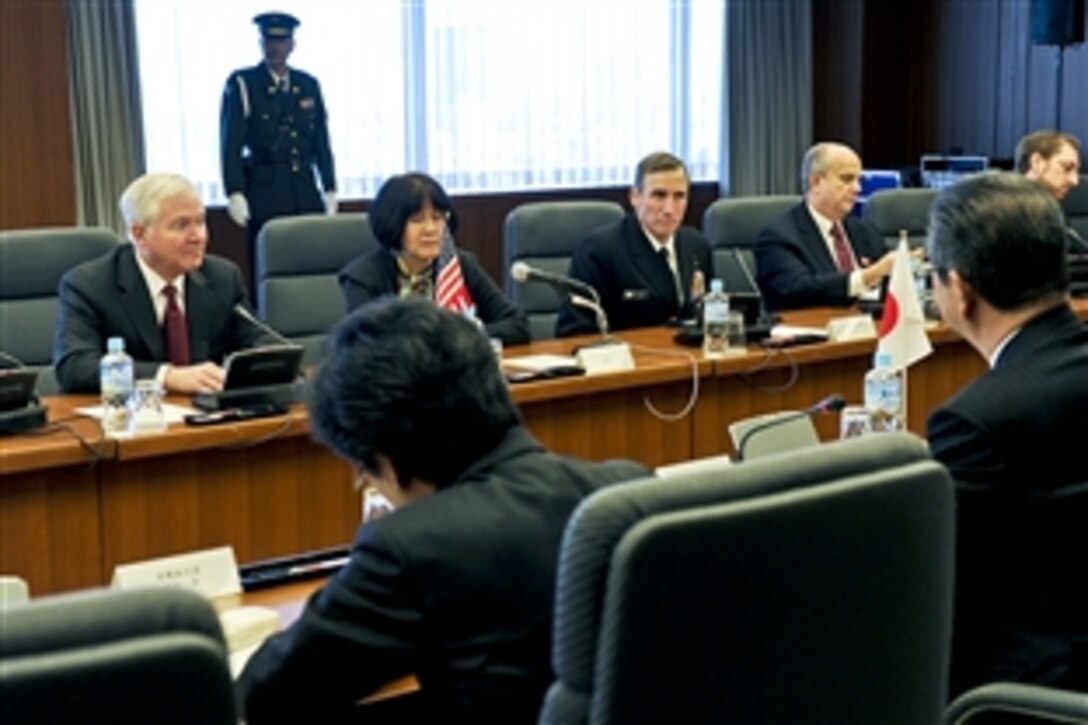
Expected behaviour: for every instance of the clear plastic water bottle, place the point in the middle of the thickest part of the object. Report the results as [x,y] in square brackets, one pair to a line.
[884,399]
[116,383]
[715,317]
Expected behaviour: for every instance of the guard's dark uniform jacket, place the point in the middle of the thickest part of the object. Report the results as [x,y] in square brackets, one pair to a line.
[271,140]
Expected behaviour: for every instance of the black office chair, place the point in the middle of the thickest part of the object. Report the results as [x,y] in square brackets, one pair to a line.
[813,586]
[298,259]
[115,657]
[1041,704]
[544,235]
[1075,206]
[894,210]
[34,260]
[732,225]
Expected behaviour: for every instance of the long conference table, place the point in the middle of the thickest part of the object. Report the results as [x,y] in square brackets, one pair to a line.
[74,505]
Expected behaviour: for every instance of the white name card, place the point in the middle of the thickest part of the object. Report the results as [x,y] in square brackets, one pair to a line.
[854,327]
[606,357]
[212,573]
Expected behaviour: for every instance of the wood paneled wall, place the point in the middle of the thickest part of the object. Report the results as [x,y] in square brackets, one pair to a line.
[938,76]
[36,164]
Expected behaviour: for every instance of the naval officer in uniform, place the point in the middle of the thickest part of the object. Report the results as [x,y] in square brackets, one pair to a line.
[274,135]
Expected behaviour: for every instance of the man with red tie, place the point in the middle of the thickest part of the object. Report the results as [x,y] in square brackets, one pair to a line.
[171,302]
[817,254]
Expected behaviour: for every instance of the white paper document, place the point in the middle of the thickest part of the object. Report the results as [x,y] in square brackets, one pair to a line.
[798,331]
[172,413]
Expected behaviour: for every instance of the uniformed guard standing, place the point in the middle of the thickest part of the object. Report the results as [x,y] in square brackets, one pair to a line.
[273,133]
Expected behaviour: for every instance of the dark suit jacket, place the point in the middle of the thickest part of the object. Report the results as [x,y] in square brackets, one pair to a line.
[1012,441]
[635,286]
[373,274]
[107,297]
[794,267]
[457,588]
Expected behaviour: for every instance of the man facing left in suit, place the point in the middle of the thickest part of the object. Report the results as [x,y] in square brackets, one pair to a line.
[1010,439]
[1052,159]
[172,303]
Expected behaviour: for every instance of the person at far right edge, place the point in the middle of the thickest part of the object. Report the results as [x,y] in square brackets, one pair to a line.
[817,254]
[1010,438]
[1052,159]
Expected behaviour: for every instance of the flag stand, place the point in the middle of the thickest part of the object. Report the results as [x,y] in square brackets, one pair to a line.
[906,398]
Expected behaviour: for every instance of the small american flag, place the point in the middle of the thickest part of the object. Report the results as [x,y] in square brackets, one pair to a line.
[450,291]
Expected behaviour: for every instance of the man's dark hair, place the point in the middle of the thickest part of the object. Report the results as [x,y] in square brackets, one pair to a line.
[1046,143]
[1003,234]
[399,198]
[658,161]
[414,382]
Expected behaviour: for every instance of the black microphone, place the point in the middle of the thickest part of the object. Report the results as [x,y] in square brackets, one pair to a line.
[10,361]
[522,272]
[1077,245]
[250,317]
[830,404]
[738,256]
[581,293]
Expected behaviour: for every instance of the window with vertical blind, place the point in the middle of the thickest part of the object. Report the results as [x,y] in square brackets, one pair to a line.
[485,95]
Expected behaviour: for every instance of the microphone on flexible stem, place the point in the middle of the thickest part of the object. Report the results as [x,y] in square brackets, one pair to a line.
[581,294]
[522,272]
[596,309]
[830,404]
[1077,244]
[250,317]
[10,361]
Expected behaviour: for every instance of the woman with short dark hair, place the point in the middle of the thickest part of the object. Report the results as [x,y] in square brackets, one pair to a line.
[414,222]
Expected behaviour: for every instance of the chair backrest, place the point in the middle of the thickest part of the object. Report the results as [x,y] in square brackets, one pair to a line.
[544,235]
[298,259]
[137,656]
[892,210]
[33,261]
[732,225]
[1075,206]
[813,586]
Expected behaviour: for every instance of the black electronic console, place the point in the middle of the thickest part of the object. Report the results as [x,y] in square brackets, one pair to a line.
[20,409]
[233,415]
[692,335]
[258,376]
[273,572]
[1078,275]
[757,323]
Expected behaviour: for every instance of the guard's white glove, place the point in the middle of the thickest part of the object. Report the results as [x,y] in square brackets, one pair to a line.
[330,202]
[238,208]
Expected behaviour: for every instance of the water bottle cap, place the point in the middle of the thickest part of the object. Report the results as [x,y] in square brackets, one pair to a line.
[716,285]
[115,344]
[883,360]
